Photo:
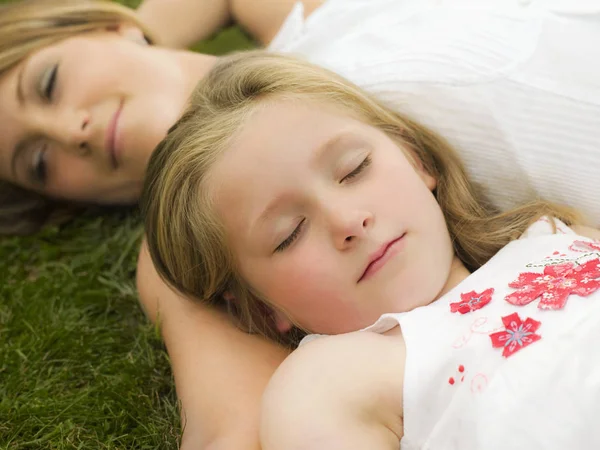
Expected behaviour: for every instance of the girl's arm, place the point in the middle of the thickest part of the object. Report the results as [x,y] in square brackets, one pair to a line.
[339,392]
[220,372]
[182,23]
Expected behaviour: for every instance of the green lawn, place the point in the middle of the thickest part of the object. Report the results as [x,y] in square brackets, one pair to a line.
[80,366]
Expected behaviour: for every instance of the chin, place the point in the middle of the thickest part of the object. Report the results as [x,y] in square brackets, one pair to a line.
[128,196]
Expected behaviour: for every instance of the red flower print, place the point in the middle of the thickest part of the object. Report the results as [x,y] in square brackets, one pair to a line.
[518,334]
[556,284]
[585,246]
[472,301]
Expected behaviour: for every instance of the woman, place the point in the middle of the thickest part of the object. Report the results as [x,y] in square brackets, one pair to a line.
[84,100]
[57,107]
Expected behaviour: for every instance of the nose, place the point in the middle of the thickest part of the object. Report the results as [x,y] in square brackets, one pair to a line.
[348,226]
[69,129]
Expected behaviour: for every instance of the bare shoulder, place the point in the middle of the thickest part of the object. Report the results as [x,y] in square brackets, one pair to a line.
[336,355]
[145,266]
[152,290]
[332,381]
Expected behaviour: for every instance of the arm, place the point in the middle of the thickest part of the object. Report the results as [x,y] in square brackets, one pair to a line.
[220,372]
[182,23]
[339,392]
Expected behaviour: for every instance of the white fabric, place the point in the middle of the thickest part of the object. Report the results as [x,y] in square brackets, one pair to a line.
[544,396]
[513,84]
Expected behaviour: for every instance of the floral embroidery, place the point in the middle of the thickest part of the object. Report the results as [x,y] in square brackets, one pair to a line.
[460,371]
[472,301]
[518,334]
[585,246]
[556,284]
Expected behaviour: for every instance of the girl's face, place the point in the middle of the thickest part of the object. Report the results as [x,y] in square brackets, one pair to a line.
[79,119]
[328,218]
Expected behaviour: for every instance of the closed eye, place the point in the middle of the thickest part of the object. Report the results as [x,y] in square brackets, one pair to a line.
[361,167]
[48,84]
[39,169]
[291,238]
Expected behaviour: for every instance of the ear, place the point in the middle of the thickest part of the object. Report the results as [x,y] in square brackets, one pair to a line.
[130,32]
[282,323]
[417,164]
[429,181]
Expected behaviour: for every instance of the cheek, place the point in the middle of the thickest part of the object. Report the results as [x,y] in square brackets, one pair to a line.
[395,187]
[73,178]
[401,183]
[94,72]
[108,67]
[297,281]
[80,180]
[297,278]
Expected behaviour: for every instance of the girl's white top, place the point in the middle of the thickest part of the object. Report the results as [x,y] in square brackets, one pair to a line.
[513,84]
[510,358]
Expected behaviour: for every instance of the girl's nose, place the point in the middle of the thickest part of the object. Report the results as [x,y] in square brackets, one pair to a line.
[349,226]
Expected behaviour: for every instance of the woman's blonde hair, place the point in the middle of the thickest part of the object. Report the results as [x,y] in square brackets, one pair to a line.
[186,241]
[27,26]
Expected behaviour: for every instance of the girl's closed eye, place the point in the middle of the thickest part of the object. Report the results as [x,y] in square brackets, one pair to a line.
[358,170]
[48,82]
[291,238]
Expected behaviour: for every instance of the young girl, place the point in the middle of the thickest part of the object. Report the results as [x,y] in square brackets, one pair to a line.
[347,214]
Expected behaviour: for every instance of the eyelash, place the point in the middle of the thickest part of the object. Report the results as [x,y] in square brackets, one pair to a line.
[291,238]
[50,83]
[361,167]
[38,170]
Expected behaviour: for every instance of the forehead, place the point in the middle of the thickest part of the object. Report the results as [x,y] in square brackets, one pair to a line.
[272,153]
[9,118]
[282,135]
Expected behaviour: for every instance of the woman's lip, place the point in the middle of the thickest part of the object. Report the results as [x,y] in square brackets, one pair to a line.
[381,257]
[111,137]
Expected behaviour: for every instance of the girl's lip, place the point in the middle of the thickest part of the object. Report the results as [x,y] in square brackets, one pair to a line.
[111,137]
[379,258]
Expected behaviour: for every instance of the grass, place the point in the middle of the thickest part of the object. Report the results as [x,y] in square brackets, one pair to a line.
[80,366]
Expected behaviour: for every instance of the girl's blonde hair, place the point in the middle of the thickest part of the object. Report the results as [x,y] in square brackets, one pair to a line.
[27,26]
[185,238]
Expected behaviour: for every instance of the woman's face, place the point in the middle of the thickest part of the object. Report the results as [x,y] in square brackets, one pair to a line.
[79,119]
[328,218]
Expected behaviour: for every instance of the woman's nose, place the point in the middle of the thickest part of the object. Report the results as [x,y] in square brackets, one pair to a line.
[70,130]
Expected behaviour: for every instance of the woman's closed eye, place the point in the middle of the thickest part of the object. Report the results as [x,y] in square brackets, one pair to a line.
[358,170]
[48,82]
[291,238]
[38,170]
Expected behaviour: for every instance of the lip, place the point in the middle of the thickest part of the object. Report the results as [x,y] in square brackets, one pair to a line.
[111,137]
[379,258]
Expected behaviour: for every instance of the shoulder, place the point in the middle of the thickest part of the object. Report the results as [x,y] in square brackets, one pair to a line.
[360,374]
[358,352]
[152,290]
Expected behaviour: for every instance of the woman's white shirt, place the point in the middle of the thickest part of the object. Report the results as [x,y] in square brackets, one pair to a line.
[514,85]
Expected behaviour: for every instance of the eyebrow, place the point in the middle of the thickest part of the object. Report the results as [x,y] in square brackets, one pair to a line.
[316,159]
